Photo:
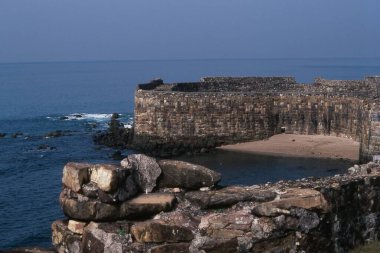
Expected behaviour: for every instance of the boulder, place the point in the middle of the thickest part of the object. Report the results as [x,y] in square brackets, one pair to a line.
[117,186]
[2,135]
[212,245]
[147,170]
[226,225]
[75,175]
[105,176]
[85,209]
[181,247]
[157,231]
[186,175]
[146,205]
[308,199]
[76,226]
[228,196]
[82,208]
[109,237]
[63,239]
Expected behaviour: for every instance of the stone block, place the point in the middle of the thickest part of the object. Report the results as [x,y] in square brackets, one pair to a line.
[75,175]
[157,231]
[181,247]
[85,209]
[308,199]
[228,196]
[146,205]
[108,237]
[105,176]
[186,175]
[76,226]
[147,170]
[63,239]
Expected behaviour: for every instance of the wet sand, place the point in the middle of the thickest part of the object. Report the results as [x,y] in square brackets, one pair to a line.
[317,146]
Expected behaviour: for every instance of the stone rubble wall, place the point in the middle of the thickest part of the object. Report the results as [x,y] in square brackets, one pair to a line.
[187,211]
[174,118]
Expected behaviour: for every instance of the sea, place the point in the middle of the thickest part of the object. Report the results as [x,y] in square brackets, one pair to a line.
[78,98]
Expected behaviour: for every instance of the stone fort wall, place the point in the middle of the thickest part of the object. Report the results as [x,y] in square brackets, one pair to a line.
[175,118]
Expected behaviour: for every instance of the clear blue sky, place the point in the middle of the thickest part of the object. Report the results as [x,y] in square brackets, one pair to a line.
[74,30]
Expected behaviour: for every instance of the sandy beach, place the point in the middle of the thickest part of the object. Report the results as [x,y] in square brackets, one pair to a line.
[317,146]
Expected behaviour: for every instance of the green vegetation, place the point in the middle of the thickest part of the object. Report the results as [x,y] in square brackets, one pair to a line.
[372,247]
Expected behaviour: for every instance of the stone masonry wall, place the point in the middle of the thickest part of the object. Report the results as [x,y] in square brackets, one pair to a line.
[174,118]
[187,212]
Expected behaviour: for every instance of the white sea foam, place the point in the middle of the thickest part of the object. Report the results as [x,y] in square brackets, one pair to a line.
[89,116]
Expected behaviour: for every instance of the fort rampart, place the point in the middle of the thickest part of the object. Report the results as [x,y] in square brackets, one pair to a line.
[175,118]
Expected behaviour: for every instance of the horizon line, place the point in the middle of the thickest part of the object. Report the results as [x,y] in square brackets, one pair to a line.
[183,59]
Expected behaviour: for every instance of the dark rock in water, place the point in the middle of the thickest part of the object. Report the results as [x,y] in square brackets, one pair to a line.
[228,196]
[64,118]
[147,170]
[117,155]
[17,134]
[186,175]
[57,133]
[115,115]
[45,147]
[115,136]
[2,135]
[78,115]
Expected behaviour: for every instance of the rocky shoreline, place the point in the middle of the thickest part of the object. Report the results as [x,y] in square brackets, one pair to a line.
[145,205]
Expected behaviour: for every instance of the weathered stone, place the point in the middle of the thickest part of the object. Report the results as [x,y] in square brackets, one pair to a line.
[107,237]
[88,209]
[181,247]
[105,176]
[212,245]
[63,239]
[157,231]
[75,175]
[76,226]
[226,225]
[186,175]
[263,228]
[147,204]
[147,169]
[287,243]
[186,219]
[294,198]
[228,196]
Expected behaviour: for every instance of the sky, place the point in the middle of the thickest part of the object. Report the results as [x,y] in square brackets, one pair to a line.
[88,30]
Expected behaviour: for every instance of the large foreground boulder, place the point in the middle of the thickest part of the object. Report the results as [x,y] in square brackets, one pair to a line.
[147,170]
[81,208]
[186,175]
[228,196]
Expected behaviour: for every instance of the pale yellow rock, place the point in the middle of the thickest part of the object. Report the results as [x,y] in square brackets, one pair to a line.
[76,226]
[105,176]
[75,175]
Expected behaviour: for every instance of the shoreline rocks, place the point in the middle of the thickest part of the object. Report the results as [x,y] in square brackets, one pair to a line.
[306,215]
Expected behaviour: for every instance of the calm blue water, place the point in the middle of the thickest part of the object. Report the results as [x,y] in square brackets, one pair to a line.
[33,97]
